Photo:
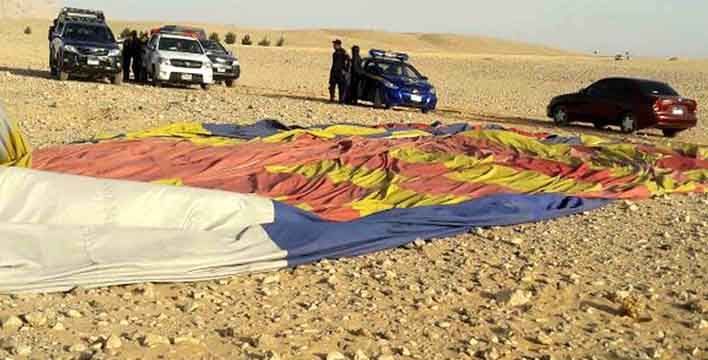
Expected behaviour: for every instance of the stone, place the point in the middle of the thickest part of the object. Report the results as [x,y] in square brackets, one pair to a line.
[543,339]
[514,298]
[152,340]
[74,314]
[336,356]
[113,342]
[385,357]
[185,340]
[272,279]
[23,350]
[8,344]
[58,327]
[11,323]
[516,241]
[36,319]
[78,347]
[360,355]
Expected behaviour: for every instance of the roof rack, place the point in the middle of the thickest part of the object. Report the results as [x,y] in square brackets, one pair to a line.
[194,32]
[388,55]
[81,15]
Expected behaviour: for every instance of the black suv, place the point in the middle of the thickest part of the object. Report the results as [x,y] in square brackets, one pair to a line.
[81,44]
[226,66]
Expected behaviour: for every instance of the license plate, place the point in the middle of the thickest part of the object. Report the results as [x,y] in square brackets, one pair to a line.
[93,61]
[416,98]
[186,76]
[677,111]
[221,70]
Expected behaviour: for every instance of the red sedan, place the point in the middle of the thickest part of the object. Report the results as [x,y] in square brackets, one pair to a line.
[631,104]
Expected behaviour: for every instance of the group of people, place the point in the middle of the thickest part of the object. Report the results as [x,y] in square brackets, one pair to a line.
[132,57]
[345,75]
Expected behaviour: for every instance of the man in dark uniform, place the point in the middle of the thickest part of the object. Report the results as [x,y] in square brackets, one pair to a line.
[356,74]
[135,55]
[128,49]
[339,72]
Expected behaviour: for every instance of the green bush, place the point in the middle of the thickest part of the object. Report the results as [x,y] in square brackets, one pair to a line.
[246,40]
[264,42]
[125,33]
[281,41]
[214,37]
[28,31]
[230,38]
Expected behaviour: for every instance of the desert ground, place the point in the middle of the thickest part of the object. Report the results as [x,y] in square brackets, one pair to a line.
[625,282]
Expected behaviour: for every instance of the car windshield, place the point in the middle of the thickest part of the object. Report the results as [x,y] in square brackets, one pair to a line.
[88,33]
[214,47]
[180,45]
[656,88]
[394,68]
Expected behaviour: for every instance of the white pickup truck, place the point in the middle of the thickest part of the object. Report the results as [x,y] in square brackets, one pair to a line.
[177,59]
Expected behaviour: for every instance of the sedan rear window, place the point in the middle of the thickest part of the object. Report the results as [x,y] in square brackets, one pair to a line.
[656,88]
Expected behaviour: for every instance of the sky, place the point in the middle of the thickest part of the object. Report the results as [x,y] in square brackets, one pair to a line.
[643,27]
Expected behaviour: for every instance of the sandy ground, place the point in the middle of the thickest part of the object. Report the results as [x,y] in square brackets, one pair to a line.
[625,282]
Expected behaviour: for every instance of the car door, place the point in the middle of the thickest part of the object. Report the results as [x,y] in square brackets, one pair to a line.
[618,102]
[597,98]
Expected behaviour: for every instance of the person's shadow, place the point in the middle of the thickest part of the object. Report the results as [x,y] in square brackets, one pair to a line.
[42,74]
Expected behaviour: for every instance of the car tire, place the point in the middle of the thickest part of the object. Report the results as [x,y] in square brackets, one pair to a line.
[628,123]
[426,110]
[671,133]
[560,116]
[229,83]
[600,125]
[62,75]
[379,101]
[117,79]
[205,87]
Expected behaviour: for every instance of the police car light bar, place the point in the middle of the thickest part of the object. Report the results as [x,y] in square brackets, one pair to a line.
[389,55]
[76,12]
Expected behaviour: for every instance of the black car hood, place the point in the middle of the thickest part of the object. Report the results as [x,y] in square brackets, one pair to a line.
[227,57]
[110,46]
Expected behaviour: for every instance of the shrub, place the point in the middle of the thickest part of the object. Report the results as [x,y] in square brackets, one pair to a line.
[264,42]
[28,31]
[214,37]
[125,33]
[246,40]
[281,41]
[230,38]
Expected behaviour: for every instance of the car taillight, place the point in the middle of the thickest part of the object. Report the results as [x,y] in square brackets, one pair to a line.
[662,105]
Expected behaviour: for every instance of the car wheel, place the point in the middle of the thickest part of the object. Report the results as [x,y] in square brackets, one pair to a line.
[670,133]
[62,75]
[600,125]
[560,116]
[628,124]
[117,79]
[230,83]
[379,101]
[205,86]
[426,110]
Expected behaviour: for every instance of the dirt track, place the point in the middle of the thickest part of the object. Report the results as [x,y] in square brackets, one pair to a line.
[574,279]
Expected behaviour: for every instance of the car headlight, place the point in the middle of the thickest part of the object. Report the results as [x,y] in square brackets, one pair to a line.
[164,61]
[389,84]
[235,63]
[70,48]
[220,60]
[114,52]
[433,91]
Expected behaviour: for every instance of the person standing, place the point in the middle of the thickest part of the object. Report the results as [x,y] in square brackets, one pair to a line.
[356,76]
[135,55]
[128,46]
[338,73]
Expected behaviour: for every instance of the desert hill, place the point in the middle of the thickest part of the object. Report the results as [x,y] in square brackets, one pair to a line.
[13,9]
